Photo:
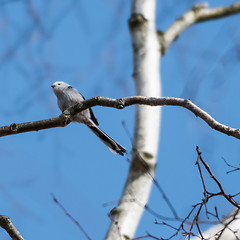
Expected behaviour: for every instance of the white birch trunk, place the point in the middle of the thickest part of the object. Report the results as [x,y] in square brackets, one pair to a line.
[146,48]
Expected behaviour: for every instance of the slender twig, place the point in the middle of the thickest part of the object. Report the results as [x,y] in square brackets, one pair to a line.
[203,183]
[147,236]
[234,167]
[142,164]
[70,216]
[222,192]
[156,183]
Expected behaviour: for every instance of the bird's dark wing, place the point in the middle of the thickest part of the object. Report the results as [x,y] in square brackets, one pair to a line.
[93,118]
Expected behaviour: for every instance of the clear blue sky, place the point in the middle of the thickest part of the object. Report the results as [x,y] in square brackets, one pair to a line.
[87,44]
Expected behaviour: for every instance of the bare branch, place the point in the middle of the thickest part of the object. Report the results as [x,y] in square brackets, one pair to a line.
[191,222]
[198,13]
[222,192]
[121,103]
[14,128]
[7,224]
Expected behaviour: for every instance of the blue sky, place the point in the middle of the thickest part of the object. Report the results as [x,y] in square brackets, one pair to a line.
[90,48]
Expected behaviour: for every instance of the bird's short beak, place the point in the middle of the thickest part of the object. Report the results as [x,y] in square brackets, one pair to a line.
[52,86]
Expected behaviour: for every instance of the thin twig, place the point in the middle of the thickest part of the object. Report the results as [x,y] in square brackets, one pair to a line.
[234,167]
[222,192]
[70,216]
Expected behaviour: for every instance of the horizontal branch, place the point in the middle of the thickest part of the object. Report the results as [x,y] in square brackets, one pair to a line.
[14,128]
[7,224]
[198,13]
[65,118]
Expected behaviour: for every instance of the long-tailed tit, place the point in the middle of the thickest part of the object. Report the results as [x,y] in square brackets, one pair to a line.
[67,97]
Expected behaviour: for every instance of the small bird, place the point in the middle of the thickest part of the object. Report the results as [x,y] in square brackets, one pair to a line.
[68,96]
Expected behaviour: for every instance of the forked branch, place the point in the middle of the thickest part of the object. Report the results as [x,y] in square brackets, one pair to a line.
[198,13]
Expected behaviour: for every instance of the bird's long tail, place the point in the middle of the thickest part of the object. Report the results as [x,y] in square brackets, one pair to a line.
[113,146]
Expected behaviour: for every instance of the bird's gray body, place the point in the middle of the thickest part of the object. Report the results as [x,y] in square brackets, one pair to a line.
[68,97]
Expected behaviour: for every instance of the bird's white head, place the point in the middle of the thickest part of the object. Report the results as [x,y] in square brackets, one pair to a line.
[59,87]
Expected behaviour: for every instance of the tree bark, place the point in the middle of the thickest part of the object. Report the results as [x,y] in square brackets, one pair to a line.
[126,216]
[6,223]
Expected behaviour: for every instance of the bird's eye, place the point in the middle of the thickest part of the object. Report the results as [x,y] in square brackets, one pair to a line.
[59,84]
